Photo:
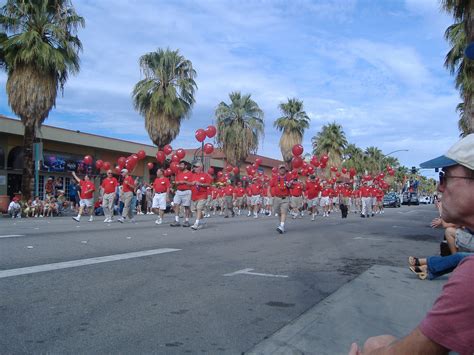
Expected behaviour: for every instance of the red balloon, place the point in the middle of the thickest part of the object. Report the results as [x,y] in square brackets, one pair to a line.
[130,164]
[200,135]
[134,157]
[181,153]
[275,170]
[150,166]
[117,169]
[314,161]
[106,165]
[168,172]
[324,159]
[211,131]
[258,161]
[88,160]
[248,168]
[121,161]
[310,170]
[338,174]
[99,164]
[352,172]
[333,169]
[167,149]
[296,162]
[236,170]
[160,156]
[174,166]
[344,170]
[391,172]
[297,150]
[141,154]
[210,171]
[323,165]
[220,174]
[228,168]
[244,178]
[208,148]
[294,173]
[381,175]
[175,158]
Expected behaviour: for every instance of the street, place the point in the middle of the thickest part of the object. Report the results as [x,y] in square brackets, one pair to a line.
[222,289]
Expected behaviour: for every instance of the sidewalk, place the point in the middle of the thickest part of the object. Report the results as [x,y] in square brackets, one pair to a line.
[382,300]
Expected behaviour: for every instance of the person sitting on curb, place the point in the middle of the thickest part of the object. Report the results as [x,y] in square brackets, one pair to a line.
[14,208]
[433,267]
[448,325]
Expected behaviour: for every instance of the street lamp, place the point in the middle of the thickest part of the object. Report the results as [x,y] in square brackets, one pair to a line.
[386,155]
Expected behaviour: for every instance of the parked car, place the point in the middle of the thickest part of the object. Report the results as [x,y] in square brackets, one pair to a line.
[410,198]
[425,200]
[391,200]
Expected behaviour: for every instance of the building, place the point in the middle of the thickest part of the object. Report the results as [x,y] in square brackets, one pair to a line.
[63,151]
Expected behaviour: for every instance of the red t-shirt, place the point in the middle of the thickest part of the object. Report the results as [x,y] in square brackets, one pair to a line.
[126,181]
[86,186]
[221,192]
[255,189]
[109,185]
[278,183]
[229,191]
[296,189]
[311,189]
[161,185]
[364,191]
[200,192]
[239,192]
[184,176]
[450,321]
[326,192]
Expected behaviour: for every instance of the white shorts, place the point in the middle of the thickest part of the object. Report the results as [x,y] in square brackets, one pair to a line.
[86,202]
[324,201]
[159,201]
[254,200]
[182,198]
[313,202]
[268,201]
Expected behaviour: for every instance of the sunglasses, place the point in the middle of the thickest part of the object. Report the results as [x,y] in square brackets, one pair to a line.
[443,177]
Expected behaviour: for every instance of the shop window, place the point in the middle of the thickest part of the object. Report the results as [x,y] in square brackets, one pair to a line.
[2,158]
[15,158]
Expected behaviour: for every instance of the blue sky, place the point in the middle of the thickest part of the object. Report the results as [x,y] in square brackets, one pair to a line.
[375,67]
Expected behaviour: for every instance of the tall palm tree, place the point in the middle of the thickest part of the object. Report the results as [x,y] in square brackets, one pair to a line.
[293,124]
[40,50]
[331,140]
[239,125]
[354,157]
[373,159]
[459,35]
[166,95]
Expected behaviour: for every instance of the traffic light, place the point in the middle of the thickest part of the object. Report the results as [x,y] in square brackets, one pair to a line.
[413,170]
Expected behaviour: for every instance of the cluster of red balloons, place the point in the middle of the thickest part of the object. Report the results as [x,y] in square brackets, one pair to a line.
[122,162]
[201,133]
[390,171]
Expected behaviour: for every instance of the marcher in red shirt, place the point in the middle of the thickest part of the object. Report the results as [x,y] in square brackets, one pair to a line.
[281,184]
[239,197]
[128,187]
[201,184]
[87,197]
[184,181]
[161,189]
[296,198]
[109,189]
[312,195]
[255,191]
[229,200]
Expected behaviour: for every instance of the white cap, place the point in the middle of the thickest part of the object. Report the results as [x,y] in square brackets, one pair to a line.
[460,153]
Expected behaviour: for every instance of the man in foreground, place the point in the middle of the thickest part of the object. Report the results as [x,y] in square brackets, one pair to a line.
[448,326]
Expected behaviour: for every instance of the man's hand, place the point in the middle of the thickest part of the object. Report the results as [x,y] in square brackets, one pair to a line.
[354,350]
[437,222]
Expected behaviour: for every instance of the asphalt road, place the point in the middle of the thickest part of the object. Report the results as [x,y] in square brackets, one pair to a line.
[180,300]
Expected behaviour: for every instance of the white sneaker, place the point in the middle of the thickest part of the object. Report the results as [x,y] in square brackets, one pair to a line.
[159,221]
[250,213]
[281,229]
[312,217]
[120,219]
[77,219]
[133,221]
[196,227]
[41,216]
[255,216]
[91,219]
[106,220]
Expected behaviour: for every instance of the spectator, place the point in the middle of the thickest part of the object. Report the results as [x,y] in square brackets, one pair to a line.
[435,266]
[58,186]
[29,209]
[448,325]
[73,194]
[149,199]
[49,188]
[38,207]
[14,208]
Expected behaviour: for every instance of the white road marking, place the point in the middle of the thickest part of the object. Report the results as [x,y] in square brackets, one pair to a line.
[412,211]
[11,236]
[82,262]
[365,238]
[247,272]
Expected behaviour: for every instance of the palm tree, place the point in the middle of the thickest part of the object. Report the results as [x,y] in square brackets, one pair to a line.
[166,95]
[459,35]
[331,140]
[373,159]
[354,157]
[239,125]
[293,124]
[39,51]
